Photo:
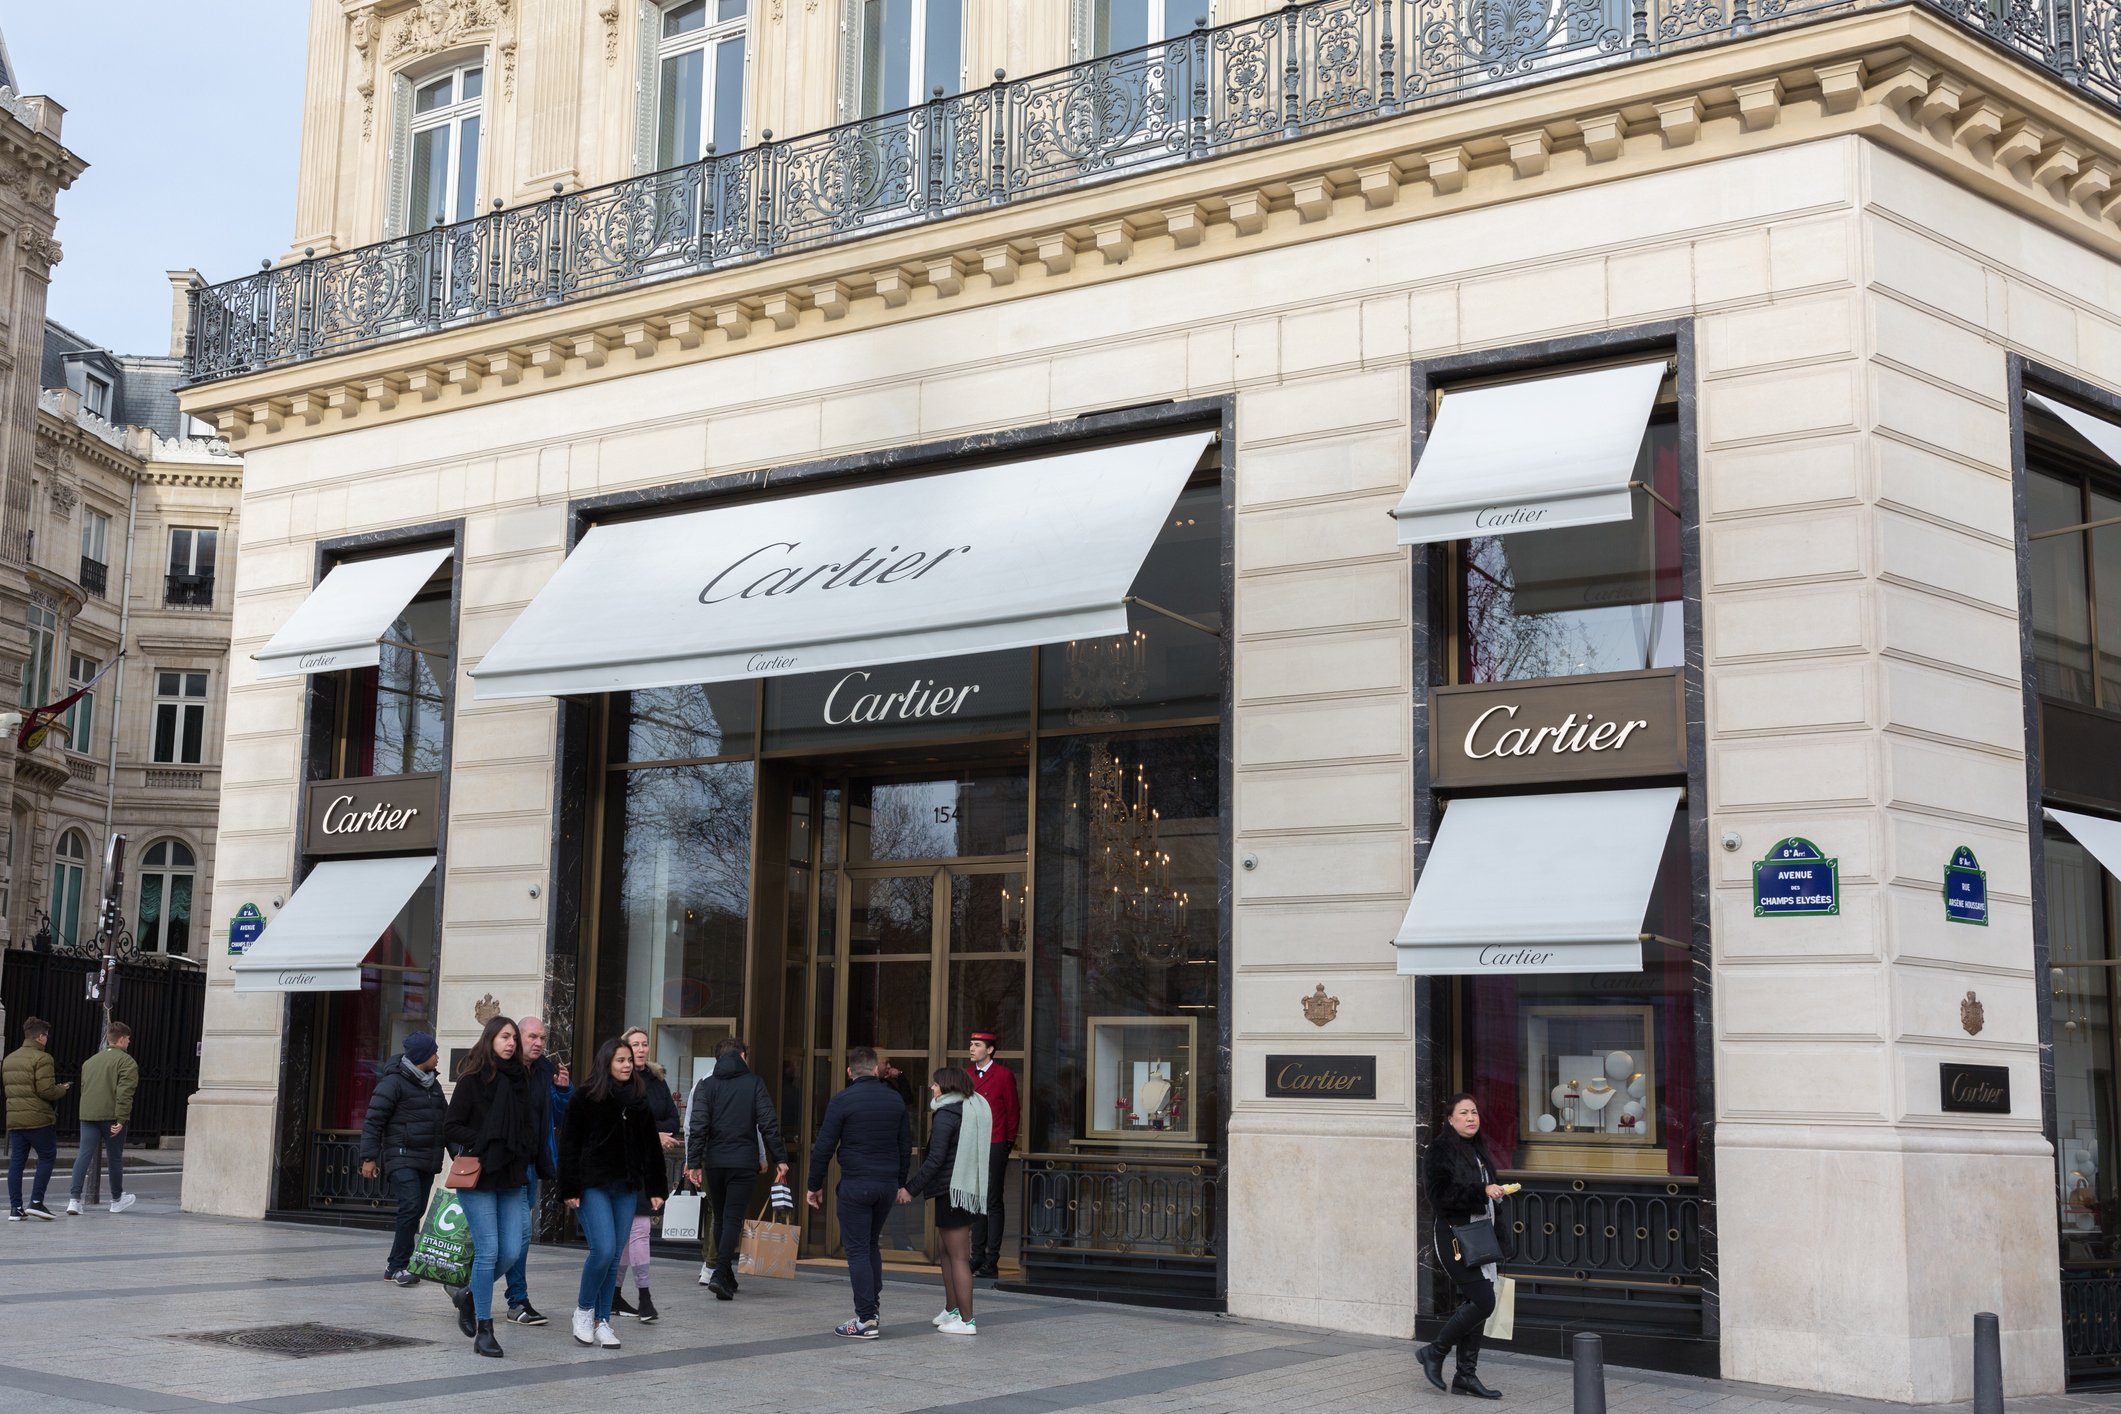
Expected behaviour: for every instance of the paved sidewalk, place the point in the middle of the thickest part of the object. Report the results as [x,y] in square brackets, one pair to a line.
[104,1314]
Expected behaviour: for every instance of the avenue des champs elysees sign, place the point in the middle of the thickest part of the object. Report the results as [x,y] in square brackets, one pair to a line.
[372,815]
[1603,727]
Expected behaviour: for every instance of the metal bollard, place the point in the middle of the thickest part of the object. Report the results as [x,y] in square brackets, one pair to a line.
[1587,1355]
[1988,1363]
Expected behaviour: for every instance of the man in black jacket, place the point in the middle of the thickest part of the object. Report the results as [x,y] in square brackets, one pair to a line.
[730,1130]
[402,1140]
[869,1127]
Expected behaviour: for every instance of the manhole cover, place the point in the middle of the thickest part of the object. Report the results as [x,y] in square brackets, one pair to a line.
[302,1341]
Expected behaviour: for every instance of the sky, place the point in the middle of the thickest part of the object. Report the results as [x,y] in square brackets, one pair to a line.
[189,115]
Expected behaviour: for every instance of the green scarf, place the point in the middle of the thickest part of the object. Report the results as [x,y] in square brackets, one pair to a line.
[975,1131]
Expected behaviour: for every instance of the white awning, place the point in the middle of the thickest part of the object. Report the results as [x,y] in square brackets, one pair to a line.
[1001,556]
[338,625]
[1538,883]
[2101,836]
[316,943]
[1536,455]
[2103,435]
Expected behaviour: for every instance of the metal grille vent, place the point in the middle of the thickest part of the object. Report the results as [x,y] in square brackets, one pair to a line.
[302,1341]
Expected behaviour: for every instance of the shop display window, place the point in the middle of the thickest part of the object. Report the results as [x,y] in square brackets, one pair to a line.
[1587,1075]
[365,1030]
[1141,1079]
[395,713]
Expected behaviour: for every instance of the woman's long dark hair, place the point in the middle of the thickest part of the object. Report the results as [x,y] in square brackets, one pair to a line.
[600,1086]
[482,1057]
[953,1081]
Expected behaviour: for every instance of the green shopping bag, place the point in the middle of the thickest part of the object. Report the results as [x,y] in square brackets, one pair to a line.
[442,1252]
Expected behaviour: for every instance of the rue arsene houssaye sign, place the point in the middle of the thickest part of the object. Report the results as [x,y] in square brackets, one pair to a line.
[373,815]
[1321,1077]
[1604,727]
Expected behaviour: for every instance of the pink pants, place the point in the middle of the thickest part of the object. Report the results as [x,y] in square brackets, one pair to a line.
[634,1254]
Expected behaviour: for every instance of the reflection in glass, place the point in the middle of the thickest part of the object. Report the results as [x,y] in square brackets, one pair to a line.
[397,710]
[2062,630]
[682,723]
[987,913]
[954,817]
[2106,574]
[2081,1004]
[893,914]
[888,1008]
[365,1030]
[986,994]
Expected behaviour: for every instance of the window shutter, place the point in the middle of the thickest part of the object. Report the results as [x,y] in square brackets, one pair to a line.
[1082,31]
[850,60]
[646,77]
[394,223]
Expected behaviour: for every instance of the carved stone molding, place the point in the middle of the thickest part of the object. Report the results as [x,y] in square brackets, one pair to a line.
[64,498]
[608,12]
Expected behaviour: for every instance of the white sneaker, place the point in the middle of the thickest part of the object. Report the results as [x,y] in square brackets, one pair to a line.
[944,1318]
[706,1273]
[124,1202]
[585,1325]
[73,1207]
[606,1336]
[954,1326]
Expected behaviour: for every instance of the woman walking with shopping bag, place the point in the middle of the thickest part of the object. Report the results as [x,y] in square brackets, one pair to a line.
[655,1091]
[1459,1180]
[611,1157]
[954,1173]
[495,1129]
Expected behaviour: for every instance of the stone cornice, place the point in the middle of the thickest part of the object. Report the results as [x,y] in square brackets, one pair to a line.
[1905,78]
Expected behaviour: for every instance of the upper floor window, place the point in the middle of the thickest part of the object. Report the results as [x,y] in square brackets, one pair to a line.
[180,718]
[95,551]
[1120,25]
[396,710]
[165,898]
[442,174]
[96,395]
[191,568]
[910,48]
[43,649]
[2073,538]
[81,717]
[69,876]
[700,80]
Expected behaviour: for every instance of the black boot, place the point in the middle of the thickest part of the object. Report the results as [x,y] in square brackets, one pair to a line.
[483,1342]
[646,1310]
[1467,1379]
[722,1284]
[1431,1358]
[467,1317]
[620,1306]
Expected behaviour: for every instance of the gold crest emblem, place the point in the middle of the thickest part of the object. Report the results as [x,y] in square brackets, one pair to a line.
[1971,1016]
[486,1008]
[1320,1008]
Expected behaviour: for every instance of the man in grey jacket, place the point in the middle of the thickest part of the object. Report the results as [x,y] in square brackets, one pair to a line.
[402,1140]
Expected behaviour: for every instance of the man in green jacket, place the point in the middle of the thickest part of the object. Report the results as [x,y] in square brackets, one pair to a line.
[107,1085]
[32,1085]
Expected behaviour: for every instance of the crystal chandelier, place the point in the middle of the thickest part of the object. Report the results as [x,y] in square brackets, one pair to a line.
[1129,866]
[1102,671]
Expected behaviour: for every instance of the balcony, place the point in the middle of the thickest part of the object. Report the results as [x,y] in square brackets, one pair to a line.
[188,591]
[1306,69]
[95,576]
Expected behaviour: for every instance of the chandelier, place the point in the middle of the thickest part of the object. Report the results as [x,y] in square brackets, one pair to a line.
[1129,868]
[1102,671]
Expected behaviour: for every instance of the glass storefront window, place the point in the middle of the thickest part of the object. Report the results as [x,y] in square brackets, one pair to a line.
[2080,988]
[977,813]
[364,1031]
[1119,940]
[1587,599]
[395,719]
[683,723]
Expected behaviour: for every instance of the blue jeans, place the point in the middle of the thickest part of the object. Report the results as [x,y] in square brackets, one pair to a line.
[864,1208]
[94,1132]
[19,1144]
[500,1228]
[409,1187]
[519,1274]
[605,1217]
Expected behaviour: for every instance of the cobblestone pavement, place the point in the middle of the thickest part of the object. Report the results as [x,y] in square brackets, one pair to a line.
[101,1313]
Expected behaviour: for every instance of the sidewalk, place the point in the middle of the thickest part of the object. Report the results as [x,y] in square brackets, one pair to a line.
[139,1311]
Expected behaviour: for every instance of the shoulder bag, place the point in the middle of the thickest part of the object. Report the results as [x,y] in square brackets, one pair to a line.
[1475,1243]
[463,1172]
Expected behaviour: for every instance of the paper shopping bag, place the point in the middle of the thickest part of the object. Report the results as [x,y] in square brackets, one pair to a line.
[767,1249]
[681,1217]
[442,1252]
[1504,1321]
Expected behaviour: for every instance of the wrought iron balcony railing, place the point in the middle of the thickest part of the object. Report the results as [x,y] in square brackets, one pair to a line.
[95,576]
[188,591]
[1305,69]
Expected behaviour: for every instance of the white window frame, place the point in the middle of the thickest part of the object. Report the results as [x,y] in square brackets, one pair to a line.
[181,702]
[42,662]
[453,116]
[191,557]
[96,394]
[657,50]
[66,911]
[1160,19]
[919,80]
[155,938]
[81,717]
[95,535]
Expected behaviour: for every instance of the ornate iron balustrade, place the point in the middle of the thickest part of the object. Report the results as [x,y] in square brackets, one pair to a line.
[1607,1230]
[188,591]
[335,1173]
[1122,1206]
[95,576]
[1305,69]
[2091,1325]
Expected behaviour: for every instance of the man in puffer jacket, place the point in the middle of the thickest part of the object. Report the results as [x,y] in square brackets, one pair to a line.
[731,1129]
[402,1138]
[32,1085]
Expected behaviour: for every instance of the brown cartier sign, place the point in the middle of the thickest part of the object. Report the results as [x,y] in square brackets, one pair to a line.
[373,815]
[1974,1089]
[1575,729]
[1321,1077]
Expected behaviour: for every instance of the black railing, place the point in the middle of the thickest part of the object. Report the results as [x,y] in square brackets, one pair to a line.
[95,576]
[1128,1207]
[335,1179]
[2091,1325]
[188,591]
[162,999]
[1605,1230]
[1305,69]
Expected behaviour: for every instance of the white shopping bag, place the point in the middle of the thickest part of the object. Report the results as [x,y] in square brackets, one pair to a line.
[681,1217]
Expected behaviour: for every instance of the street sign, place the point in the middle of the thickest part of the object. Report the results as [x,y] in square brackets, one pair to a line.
[1796,880]
[244,928]
[1965,889]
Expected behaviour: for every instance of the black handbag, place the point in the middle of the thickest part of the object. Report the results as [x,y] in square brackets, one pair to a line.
[1475,1243]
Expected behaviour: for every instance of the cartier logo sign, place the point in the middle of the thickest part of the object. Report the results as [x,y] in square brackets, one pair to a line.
[372,815]
[1321,1077]
[782,567]
[1974,1089]
[1570,729]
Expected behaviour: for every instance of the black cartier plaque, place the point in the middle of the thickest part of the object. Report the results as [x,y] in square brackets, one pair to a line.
[1974,1089]
[1321,1077]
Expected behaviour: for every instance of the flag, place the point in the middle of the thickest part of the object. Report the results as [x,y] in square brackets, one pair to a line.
[37,723]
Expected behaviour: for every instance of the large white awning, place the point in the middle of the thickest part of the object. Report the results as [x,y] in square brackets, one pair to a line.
[1001,556]
[2101,836]
[2103,435]
[316,943]
[1536,455]
[1538,883]
[339,624]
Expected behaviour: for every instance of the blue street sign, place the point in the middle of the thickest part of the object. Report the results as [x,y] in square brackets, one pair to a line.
[1965,889]
[244,928]
[1796,880]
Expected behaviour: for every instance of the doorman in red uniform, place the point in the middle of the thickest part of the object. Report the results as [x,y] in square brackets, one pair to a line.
[996,1084]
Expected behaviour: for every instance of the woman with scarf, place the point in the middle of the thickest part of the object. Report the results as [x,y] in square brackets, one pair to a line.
[611,1157]
[497,1117]
[1460,1182]
[954,1173]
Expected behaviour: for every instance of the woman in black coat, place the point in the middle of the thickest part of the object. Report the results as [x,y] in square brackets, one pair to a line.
[497,1117]
[961,1117]
[1459,1180]
[611,1156]
[655,1093]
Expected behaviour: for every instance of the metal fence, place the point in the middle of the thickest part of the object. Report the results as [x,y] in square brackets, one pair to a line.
[1305,69]
[163,1001]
